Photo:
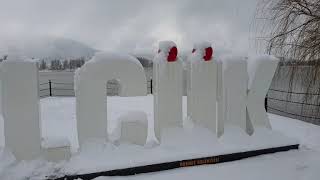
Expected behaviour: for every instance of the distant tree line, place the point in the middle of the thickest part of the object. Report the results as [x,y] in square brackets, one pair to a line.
[59,65]
[72,64]
[3,58]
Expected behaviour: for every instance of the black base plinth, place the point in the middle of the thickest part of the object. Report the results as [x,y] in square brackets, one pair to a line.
[179,164]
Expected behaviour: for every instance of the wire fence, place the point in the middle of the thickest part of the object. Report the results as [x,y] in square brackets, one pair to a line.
[292,92]
[272,104]
[306,111]
[52,88]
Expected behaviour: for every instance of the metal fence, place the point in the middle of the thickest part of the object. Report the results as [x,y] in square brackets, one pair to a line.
[53,88]
[286,106]
[273,104]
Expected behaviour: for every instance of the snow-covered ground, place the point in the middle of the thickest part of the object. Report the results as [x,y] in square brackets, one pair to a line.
[58,121]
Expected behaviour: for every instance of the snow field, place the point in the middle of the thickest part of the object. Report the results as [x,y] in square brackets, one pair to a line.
[58,115]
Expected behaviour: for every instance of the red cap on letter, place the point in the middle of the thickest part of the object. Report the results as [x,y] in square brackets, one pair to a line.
[172,54]
[208,54]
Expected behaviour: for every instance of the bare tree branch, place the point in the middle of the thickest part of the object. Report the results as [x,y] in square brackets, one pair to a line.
[294,28]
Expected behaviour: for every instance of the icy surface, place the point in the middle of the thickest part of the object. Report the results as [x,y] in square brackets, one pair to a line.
[58,115]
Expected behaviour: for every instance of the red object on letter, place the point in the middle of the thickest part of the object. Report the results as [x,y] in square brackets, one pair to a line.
[208,54]
[172,54]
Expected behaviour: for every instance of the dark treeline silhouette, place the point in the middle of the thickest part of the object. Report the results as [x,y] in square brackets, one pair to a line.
[64,64]
[3,58]
[71,64]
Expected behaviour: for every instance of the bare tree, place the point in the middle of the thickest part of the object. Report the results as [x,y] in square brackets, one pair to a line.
[290,29]
[294,28]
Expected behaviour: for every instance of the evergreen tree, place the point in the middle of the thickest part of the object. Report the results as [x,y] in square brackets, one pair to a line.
[4,58]
[81,61]
[66,65]
[72,64]
[59,65]
[43,65]
[56,65]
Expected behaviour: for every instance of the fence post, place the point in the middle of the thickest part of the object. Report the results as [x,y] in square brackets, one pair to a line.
[50,88]
[266,102]
[151,85]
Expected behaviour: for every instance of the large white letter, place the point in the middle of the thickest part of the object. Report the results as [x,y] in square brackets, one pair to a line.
[235,84]
[202,86]
[167,69]
[1,114]
[261,71]
[90,88]
[20,103]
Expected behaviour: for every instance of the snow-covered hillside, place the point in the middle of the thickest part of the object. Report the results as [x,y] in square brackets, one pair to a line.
[44,47]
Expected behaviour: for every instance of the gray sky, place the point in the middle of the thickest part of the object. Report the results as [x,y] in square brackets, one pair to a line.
[132,25]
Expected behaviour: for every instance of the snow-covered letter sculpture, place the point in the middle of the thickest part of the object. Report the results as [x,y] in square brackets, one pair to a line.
[202,86]
[20,104]
[134,127]
[235,84]
[167,69]
[1,114]
[261,71]
[90,87]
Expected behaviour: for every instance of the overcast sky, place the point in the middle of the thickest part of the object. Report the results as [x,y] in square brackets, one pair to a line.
[132,25]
